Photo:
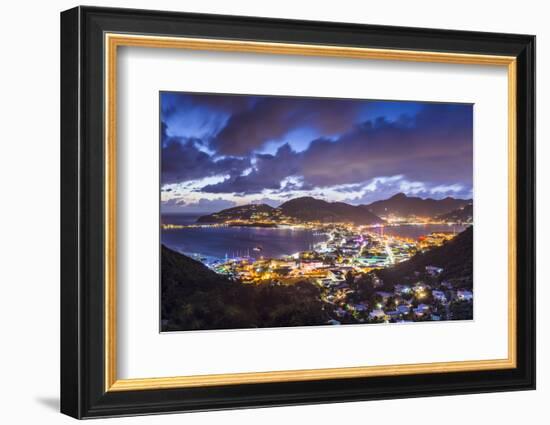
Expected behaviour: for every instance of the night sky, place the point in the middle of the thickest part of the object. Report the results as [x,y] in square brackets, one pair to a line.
[220,151]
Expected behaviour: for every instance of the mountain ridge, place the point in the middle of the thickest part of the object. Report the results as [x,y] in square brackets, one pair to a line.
[402,205]
[308,208]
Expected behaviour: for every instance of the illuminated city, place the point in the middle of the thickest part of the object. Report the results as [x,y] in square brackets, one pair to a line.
[343,262]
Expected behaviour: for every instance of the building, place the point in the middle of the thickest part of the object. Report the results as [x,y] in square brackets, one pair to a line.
[464,295]
[340,312]
[403,309]
[377,314]
[359,308]
[402,289]
[336,275]
[308,266]
[439,296]
[434,271]
[421,310]
[394,314]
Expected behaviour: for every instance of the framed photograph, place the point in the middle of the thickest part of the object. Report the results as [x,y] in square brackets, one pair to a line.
[261,212]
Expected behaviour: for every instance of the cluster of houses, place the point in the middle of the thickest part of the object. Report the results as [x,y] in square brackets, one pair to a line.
[406,303]
[365,250]
[347,249]
[348,254]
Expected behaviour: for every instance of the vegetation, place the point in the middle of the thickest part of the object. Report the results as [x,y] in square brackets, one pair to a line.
[307,209]
[464,214]
[194,297]
[243,212]
[404,206]
[461,310]
[310,209]
[454,257]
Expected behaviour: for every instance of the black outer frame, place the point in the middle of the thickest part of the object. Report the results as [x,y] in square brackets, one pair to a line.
[82,206]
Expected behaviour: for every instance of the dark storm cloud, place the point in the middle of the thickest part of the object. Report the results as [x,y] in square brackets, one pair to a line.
[385,187]
[221,135]
[268,173]
[271,118]
[176,103]
[434,146]
[182,160]
[203,205]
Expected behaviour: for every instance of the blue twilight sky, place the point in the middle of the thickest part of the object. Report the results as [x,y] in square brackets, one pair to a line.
[219,151]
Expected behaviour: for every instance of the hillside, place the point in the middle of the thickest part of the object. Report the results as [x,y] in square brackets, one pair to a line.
[311,209]
[300,209]
[404,206]
[461,215]
[196,298]
[182,276]
[243,212]
[308,208]
[455,257]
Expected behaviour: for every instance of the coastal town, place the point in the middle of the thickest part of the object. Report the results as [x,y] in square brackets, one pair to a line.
[347,267]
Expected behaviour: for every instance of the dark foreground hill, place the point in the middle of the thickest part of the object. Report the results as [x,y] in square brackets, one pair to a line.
[196,298]
[405,206]
[455,258]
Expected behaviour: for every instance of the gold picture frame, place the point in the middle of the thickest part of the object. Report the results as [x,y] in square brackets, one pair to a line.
[113,41]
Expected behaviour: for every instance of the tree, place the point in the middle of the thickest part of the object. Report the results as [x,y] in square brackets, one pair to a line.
[461,310]
[350,280]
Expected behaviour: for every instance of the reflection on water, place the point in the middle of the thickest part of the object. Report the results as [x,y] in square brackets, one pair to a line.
[222,242]
[415,231]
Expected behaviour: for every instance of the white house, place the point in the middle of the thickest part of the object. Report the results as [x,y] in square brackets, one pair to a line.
[439,296]
[464,295]
[402,289]
[433,271]
[403,309]
[377,314]
[360,308]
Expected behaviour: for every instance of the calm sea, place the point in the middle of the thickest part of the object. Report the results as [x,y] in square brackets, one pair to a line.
[415,231]
[219,242]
